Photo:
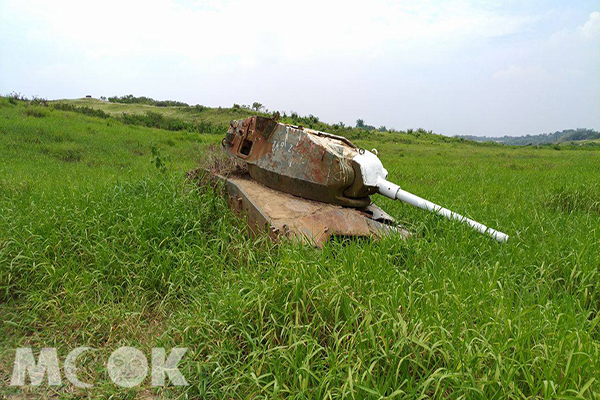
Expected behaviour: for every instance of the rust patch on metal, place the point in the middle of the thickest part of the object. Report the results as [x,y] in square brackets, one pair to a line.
[283,215]
[304,162]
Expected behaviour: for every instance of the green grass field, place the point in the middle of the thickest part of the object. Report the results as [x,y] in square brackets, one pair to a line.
[100,248]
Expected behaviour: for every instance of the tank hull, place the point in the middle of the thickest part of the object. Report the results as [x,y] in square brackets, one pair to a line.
[284,216]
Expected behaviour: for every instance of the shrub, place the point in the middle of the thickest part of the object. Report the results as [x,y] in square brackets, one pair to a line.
[92,112]
[131,99]
[159,161]
[38,101]
[156,120]
[35,112]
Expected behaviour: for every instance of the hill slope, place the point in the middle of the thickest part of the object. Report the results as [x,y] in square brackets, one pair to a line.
[216,120]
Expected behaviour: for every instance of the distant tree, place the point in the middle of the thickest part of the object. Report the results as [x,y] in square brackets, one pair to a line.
[360,123]
[256,106]
[544,138]
[382,128]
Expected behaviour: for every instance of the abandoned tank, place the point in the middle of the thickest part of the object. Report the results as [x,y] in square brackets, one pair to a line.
[317,169]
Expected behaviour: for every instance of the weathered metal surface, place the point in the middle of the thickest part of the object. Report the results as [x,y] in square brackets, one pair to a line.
[304,162]
[285,215]
[323,167]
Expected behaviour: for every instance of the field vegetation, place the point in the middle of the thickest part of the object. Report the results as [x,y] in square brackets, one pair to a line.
[105,242]
[217,119]
[572,136]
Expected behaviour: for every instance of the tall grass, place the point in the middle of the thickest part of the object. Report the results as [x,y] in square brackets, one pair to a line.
[107,250]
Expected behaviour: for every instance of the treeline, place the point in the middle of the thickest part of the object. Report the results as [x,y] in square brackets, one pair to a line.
[131,99]
[567,135]
[359,131]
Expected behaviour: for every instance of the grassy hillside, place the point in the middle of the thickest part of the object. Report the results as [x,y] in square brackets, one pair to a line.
[100,248]
[220,116]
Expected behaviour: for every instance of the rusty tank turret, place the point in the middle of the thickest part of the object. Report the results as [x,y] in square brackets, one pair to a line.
[321,167]
[304,162]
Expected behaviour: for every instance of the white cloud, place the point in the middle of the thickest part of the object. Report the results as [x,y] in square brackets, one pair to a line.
[591,29]
[244,31]
[401,63]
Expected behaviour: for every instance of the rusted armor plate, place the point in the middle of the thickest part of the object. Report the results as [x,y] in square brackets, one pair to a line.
[285,215]
[304,162]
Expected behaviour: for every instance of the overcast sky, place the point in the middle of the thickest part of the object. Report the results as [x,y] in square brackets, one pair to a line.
[455,67]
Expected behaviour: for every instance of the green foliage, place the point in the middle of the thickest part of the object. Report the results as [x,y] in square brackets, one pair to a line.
[360,123]
[93,112]
[38,101]
[570,198]
[99,250]
[256,106]
[131,99]
[193,110]
[150,119]
[157,120]
[14,98]
[566,135]
[36,112]
[158,159]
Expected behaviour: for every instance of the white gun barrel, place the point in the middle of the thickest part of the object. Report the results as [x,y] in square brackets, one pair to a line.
[394,191]
[374,175]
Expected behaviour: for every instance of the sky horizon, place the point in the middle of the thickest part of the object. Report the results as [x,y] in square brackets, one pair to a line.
[486,68]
